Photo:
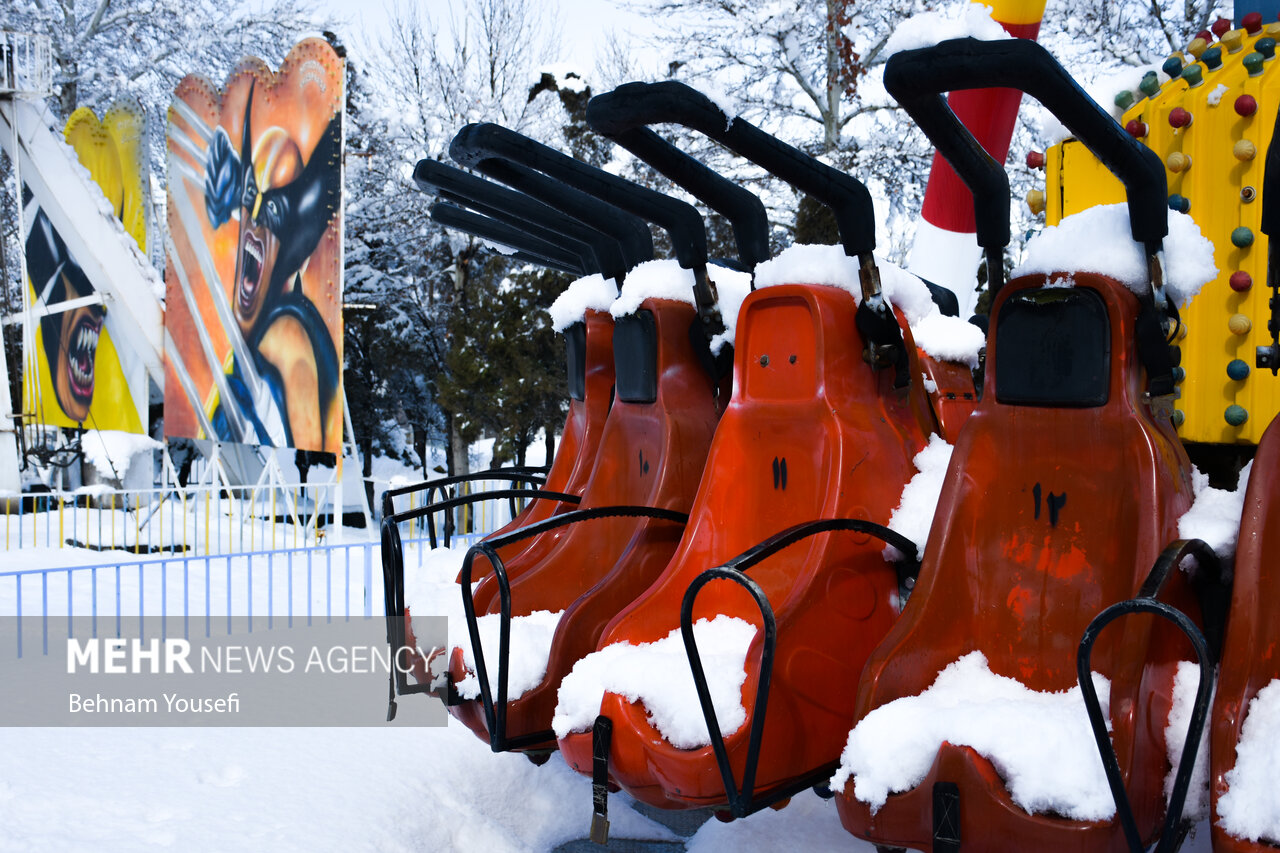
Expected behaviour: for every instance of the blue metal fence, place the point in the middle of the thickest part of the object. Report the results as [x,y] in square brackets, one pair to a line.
[301,585]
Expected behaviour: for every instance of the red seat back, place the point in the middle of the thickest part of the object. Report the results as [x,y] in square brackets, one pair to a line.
[1249,655]
[1062,490]
[592,349]
[652,451]
[811,432]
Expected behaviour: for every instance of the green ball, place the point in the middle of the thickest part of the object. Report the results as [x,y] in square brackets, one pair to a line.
[1238,369]
[1242,238]
[1235,415]
[1179,417]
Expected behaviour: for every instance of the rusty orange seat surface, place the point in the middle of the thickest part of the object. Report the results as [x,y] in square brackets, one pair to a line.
[811,432]
[652,452]
[1062,490]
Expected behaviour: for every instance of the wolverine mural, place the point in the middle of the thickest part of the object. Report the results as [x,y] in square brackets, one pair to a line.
[75,375]
[254,345]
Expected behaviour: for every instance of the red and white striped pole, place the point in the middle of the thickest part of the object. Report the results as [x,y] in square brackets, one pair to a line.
[946,249]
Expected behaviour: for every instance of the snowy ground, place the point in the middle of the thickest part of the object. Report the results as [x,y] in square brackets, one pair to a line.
[312,790]
[385,789]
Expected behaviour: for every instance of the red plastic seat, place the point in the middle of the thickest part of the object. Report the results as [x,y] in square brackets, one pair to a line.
[576,456]
[651,454]
[1249,662]
[1062,490]
[811,432]
[570,471]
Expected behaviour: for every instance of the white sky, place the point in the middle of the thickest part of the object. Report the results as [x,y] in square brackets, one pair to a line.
[585,23]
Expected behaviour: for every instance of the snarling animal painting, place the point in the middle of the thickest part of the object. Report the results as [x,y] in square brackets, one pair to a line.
[253,320]
[74,375]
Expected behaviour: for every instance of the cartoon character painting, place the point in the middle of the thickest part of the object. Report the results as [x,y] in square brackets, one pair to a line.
[68,339]
[74,376]
[255,340]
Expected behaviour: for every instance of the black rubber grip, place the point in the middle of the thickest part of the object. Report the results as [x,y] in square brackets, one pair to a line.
[672,102]
[917,79]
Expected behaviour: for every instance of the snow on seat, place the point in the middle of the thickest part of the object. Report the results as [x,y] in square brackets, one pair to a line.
[652,452]
[530,646]
[657,676]
[812,432]
[1040,742]
[1062,490]
[1245,721]
[1249,809]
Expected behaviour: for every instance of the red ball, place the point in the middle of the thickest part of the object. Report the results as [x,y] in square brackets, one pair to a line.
[1246,105]
[1178,117]
[1137,129]
[1220,26]
[1206,35]
[1240,281]
[1252,22]
[1035,159]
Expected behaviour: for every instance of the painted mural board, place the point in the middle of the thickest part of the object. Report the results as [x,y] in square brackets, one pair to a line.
[73,372]
[253,274]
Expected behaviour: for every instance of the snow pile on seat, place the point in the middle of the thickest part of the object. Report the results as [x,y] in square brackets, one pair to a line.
[1040,743]
[530,648]
[1250,808]
[732,287]
[1215,515]
[657,674]
[1099,240]
[914,515]
[949,338]
[951,22]
[432,590]
[1185,683]
[660,279]
[943,338]
[666,279]
[589,293]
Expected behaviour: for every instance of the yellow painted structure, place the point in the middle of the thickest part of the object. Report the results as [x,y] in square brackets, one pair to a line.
[113,151]
[1214,165]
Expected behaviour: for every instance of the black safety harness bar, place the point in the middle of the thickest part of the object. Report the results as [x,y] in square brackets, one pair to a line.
[743,799]
[918,78]
[495,712]
[1214,591]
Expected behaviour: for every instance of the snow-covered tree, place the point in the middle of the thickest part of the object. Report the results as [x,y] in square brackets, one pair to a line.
[423,81]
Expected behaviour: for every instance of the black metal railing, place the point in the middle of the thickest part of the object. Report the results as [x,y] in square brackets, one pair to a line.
[1209,574]
[495,712]
[393,577]
[742,799]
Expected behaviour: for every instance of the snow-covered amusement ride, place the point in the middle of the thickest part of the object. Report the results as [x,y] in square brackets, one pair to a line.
[810,528]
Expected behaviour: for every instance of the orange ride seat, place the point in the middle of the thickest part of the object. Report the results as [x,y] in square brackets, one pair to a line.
[1249,660]
[1062,490]
[652,452]
[812,432]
